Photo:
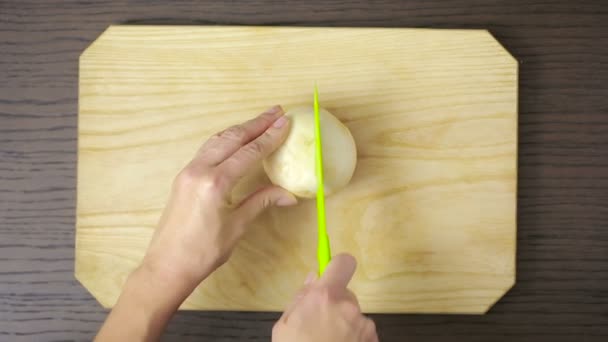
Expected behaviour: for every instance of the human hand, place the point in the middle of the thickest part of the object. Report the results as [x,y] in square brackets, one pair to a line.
[325,310]
[200,226]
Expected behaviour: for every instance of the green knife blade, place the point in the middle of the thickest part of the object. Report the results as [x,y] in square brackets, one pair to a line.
[323,249]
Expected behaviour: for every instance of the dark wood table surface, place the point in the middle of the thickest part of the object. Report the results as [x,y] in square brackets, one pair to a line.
[562,259]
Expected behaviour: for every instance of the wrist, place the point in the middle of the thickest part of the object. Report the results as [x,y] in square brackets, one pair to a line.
[161,281]
[146,304]
[179,274]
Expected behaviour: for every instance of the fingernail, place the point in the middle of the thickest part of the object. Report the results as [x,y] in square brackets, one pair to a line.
[287,201]
[309,278]
[274,109]
[280,122]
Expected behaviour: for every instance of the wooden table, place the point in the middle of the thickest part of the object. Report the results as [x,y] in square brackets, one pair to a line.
[562,261]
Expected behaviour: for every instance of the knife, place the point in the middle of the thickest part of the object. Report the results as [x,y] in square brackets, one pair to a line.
[323,249]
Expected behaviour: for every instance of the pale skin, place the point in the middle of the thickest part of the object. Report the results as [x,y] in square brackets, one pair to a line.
[199,229]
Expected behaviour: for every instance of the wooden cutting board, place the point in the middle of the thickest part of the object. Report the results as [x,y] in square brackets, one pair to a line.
[430,213]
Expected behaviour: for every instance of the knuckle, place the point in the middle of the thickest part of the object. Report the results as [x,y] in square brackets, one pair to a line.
[212,143]
[301,294]
[211,183]
[276,329]
[353,308]
[213,138]
[371,325]
[236,133]
[350,310]
[255,147]
[192,179]
[187,177]
[267,202]
[370,330]
[322,295]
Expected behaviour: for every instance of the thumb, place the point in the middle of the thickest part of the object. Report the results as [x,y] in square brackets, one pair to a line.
[339,272]
[256,203]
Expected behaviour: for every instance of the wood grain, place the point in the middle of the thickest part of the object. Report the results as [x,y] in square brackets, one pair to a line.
[429,213]
[562,185]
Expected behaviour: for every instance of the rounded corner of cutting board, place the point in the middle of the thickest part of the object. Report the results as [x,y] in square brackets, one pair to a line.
[509,283]
[92,288]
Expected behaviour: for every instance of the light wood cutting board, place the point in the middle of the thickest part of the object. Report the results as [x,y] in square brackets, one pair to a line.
[430,213]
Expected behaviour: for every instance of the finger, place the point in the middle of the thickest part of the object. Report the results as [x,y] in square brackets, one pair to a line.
[350,311]
[298,297]
[351,297]
[256,203]
[369,331]
[241,162]
[339,272]
[224,144]
[310,278]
